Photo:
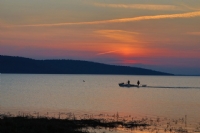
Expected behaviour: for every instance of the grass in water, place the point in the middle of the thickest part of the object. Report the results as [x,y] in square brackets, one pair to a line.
[28,124]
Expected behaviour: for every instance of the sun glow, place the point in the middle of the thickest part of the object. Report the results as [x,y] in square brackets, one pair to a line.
[122,51]
[133,51]
[125,51]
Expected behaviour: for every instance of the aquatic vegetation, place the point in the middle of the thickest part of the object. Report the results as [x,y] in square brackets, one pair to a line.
[65,122]
[31,124]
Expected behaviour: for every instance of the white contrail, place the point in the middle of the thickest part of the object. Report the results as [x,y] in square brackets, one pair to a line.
[139,6]
[108,52]
[122,20]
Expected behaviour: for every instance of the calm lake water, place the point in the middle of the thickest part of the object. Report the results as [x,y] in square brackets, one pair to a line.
[164,96]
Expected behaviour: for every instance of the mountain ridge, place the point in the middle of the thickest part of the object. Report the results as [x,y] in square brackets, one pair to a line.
[23,65]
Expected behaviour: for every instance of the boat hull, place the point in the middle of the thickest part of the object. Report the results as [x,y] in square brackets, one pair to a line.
[127,85]
[130,85]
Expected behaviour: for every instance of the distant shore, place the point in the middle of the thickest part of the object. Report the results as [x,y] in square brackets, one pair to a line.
[21,65]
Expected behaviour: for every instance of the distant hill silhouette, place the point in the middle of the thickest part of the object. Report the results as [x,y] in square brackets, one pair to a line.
[10,64]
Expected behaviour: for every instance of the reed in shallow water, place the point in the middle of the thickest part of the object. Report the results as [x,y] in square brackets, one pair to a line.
[83,123]
[22,124]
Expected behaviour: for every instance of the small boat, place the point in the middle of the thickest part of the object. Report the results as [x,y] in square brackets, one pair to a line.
[130,85]
[127,85]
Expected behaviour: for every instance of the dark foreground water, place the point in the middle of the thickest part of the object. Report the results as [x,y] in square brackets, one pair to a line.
[167,97]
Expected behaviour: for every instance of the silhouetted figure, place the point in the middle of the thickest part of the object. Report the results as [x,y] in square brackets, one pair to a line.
[138,82]
[128,82]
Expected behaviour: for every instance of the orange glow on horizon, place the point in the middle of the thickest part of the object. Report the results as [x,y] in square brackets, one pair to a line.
[126,51]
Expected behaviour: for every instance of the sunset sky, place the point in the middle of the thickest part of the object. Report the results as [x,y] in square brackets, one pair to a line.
[157,34]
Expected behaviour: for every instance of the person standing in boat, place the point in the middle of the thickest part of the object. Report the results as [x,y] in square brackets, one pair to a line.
[128,82]
[138,82]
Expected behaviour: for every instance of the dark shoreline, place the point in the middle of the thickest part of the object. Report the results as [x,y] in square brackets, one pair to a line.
[21,65]
[29,124]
